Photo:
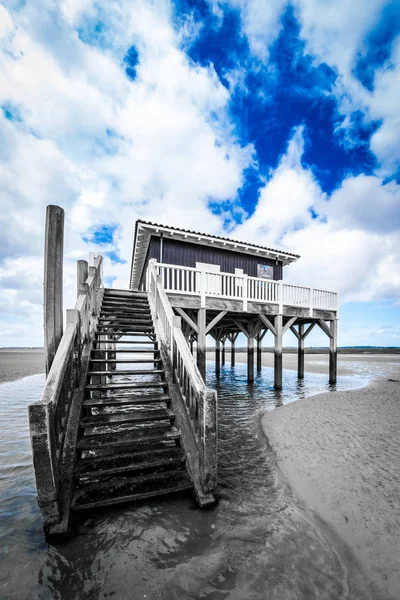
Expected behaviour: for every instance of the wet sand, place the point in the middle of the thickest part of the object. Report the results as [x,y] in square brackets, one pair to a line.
[20,362]
[340,452]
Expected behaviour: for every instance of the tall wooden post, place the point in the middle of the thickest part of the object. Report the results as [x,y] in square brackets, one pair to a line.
[201,342]
[233,341]
[250,359]
[278,353]
[300,356]
[259,353]
[217,355]
[53,282]
[333,352]
[223,351]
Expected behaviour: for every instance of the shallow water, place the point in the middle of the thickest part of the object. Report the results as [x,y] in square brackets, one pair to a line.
[258,542]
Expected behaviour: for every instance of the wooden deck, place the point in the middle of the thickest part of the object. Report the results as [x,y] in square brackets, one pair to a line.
[224,304]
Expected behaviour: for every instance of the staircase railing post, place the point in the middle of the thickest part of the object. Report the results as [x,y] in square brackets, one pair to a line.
[208,438]
[53,282]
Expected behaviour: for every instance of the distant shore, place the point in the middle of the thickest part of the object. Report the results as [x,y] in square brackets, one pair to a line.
[316,363]
[340,453]
[16,363]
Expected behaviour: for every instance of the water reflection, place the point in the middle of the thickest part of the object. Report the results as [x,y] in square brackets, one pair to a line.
[258,542]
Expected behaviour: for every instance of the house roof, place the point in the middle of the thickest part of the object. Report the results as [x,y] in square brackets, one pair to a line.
[145,229]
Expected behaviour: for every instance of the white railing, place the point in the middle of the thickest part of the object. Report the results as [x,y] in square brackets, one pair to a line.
[188,280]
[325,300]
[296,295]
[263,290]
[200,402]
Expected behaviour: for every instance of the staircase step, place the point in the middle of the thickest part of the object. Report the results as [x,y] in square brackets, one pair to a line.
[134,327]
[138,416]
[98,341]
[126,400]
[142,308]
[125,304]
[132,351]
[128,372]
[141,460]
[114,291]
[126,386]
[134,361]
[124,330]
[130,493]
[129,302]
[129,438]
[122,320]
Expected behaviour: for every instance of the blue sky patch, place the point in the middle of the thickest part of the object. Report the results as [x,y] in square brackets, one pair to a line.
[275,98]
[11,112]
[102,235]
[131,60]
[115,258]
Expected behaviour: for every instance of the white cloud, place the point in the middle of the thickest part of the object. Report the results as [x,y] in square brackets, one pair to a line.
[286,199]
[80,134]
[352,248]
[261,22]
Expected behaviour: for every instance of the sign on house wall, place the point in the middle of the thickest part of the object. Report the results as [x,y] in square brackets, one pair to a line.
[265,271]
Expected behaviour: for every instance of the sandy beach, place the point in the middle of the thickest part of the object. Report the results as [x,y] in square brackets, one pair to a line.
[340,453]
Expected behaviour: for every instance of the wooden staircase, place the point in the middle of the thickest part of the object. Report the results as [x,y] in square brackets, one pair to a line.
[128,447]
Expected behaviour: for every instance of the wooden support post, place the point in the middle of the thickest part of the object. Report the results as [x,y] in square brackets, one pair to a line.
[44,453]
[233,339]
[223,351]
[53,282]
[333,352]
[201,342]
[300,356]
[259,353]
[217,355]
[250,359]
[278,353]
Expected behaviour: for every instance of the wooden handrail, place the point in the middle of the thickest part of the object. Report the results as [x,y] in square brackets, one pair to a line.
[49,418]
[200,402]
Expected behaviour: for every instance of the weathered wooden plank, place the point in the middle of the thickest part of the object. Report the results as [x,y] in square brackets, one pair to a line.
[53,281]
[215,320]
[201,342]
[333,352]
[278,353]
[300,357]
[289,324]
[268,324]
[250,359]
[259,354]
[322,325]
[188,319]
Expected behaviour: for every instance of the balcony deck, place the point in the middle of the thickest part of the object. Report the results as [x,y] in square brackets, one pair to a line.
[191,288]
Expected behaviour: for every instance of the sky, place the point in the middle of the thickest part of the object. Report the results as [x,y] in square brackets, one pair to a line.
[276,123]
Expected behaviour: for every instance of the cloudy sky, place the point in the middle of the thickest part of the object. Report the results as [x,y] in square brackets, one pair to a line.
[271,122]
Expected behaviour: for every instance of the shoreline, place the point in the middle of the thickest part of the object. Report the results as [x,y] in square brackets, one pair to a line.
[339,452]
[315,363]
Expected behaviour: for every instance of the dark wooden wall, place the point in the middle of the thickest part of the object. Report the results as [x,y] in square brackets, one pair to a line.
[176,252]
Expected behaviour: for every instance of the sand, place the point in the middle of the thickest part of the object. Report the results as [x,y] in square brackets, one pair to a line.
[16,363]
[340,453]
